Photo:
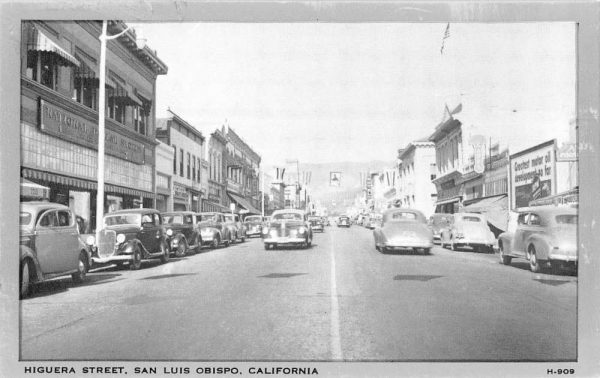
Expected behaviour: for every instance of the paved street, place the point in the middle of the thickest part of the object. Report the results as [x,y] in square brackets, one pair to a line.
[339,300]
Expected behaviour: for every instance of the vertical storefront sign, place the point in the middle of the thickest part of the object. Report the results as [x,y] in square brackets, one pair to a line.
[533,174]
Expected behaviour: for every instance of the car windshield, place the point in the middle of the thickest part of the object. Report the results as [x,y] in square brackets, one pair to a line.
[173,219]
[130,219]
[254,218]
[208,217]
[403,215]
[229,218]
[24,218]
[287,216]
[471,219]
[566,219]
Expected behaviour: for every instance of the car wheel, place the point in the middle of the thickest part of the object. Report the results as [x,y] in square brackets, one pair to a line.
[166,253]
[534,264]
[25,279]
[215,242]
[243,238]
[503,258]
[136,262]
[181,248]
[81,269]
[309,243]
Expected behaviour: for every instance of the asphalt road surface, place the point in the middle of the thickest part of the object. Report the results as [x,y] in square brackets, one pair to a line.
[339,300]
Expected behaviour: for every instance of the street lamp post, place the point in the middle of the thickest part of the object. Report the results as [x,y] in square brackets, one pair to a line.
[140,42]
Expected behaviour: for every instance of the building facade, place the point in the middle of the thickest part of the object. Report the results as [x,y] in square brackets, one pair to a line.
[416,171]
[188,149]
[164,173]
[217,199]
[59,115]
[243,166]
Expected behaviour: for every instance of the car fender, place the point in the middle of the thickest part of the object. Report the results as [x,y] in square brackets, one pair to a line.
[177,238]
[541,244]
[129,245]
[26,252]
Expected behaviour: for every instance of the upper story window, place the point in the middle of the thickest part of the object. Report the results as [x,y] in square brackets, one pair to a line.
[174,159]
[181,162]
[199,168]
[193,168]
[188,165]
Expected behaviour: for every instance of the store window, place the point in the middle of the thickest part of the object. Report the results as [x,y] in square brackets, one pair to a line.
[174,159]
[188,165]
[181,162]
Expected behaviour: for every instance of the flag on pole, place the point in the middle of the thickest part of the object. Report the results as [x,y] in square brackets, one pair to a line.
[446,36]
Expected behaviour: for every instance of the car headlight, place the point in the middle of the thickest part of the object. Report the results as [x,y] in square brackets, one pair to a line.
[170,232]
[120,238]
[90,240]
[301,230]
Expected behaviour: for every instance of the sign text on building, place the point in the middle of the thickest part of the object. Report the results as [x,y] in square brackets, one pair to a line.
[532,174]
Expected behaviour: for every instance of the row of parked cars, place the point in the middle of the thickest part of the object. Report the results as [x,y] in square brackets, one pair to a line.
[545,236]
[52,245]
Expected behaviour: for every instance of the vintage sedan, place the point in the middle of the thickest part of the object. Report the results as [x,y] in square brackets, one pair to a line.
[343,221]
[238,229]
[213,229]
[468,230]
[183,232]
[437,223]
[130,236]
[254,225]
[546,236]
[316,223]
[50,245]
[403,229]
[288,227]
[374,221]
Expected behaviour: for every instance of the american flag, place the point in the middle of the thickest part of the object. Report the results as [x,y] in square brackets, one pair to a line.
[446,35]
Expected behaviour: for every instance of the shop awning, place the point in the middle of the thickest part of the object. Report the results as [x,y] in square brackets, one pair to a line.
[32,190]
[568,197]
[494,208]
[124,94]
[208,206]
[448,200]
[242,202]
[38,41]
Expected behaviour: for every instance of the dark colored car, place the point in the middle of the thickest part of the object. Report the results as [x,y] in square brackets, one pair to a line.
[316,223]
[131,236]
[437,223]
[183,232]
[343,221]
[288,227]
[213,229]
[238,229]
[50,245]
[254,225]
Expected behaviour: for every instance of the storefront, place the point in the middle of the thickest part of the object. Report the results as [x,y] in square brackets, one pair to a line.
[243,205]
[450,193]
[181,198]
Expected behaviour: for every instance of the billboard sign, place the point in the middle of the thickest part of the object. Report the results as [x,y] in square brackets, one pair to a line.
[533,174]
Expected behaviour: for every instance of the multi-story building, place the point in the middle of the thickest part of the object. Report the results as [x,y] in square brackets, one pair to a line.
[164,173]
[416,172]
[243,165]
[59,114]
[188,150]
[217,199]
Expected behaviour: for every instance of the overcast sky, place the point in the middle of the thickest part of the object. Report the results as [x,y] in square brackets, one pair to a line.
[358,92]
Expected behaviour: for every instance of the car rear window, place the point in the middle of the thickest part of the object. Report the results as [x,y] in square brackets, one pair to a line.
[24,218]
[404,215]
[471,219]
[566,219]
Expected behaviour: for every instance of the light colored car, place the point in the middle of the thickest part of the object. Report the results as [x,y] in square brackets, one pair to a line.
[213,229]
[468,230]
[50,245]
[254,225]
[238,230]
[438,222]
[546,236]
[403,229]
[374,221]
[316,223]
[288,227]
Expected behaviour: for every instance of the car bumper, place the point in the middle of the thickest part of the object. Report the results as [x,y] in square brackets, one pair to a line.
[562,257]
[408,244]
[105,260]
[253,233]
[284,241]
[317,228]
[474,242]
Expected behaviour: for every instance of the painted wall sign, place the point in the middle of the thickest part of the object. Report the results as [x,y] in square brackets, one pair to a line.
[71,127]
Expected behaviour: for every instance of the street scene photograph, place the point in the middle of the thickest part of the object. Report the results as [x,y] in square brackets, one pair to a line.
[309,192]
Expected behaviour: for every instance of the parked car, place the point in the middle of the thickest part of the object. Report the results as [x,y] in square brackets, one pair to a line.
[183,233]
[237,227]
[316,223]
[131,236]
[343,221]
[403,229]
[254,225]
[374,221]
[438,222]
[213,229]
[50,245]
[288,227]
[468,230]
[546,236]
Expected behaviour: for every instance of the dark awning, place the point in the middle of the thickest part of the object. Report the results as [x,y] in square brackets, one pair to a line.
[38,41]
[494,208]
[242,202]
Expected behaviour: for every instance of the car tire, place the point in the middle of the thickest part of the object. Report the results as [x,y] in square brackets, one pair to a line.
[243,239]
[166,253]
[136,262]
[534,263]
[25,282]
[82,268]
[181,248]
[504,259]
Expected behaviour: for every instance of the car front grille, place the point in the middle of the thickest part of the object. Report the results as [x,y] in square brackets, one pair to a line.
[106,243]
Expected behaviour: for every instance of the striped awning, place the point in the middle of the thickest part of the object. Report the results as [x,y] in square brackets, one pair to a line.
[125,94]
[38,41]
